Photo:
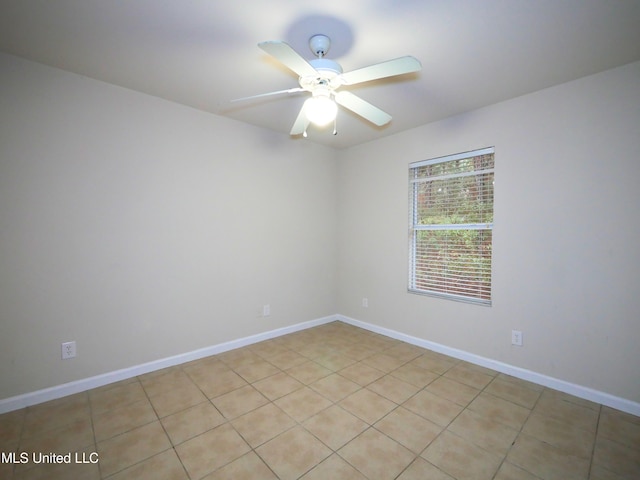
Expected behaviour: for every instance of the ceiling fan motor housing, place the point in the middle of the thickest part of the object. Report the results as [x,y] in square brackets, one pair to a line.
[327,70]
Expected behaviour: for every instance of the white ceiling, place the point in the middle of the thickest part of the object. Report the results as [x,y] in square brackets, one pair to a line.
[203,53]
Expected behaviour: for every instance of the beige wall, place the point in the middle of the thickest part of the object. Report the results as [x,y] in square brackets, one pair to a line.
[566,265]
[143,229]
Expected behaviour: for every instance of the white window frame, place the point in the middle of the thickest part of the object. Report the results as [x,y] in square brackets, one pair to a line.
[416,279]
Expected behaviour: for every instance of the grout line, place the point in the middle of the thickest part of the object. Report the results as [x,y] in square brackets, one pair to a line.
[332,348]
[595,442]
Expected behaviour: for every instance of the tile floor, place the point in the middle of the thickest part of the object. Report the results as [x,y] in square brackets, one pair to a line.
[332,402]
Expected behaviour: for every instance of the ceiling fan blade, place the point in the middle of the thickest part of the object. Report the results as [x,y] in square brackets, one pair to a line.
[362,108]
[288,57]
[390,68]
[260,95]
[301,123]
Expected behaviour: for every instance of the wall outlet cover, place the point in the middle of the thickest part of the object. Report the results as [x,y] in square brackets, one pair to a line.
[68,350]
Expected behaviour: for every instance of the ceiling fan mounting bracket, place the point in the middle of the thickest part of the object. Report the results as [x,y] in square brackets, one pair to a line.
[319,45]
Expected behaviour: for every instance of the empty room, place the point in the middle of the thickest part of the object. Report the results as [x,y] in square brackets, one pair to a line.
[320,240]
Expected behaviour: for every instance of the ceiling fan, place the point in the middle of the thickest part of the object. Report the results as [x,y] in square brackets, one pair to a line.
[323,77]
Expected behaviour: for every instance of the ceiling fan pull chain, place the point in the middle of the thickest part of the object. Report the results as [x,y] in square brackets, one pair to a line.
[335,126]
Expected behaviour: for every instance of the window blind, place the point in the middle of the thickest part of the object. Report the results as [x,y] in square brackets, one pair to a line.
[451,223]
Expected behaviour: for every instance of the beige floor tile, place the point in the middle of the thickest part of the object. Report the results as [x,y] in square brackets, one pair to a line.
[599,473]
[308,372]
[620,427]
[574,441]
[549,394]
[211,450]
[546,461]
[359,352]
[405,351]
[434,362]
[415,375]
[158,373]
[6,469]
[361,373]
[393,388]
[451,390]
[335,426]
[61,471]
[367,405]
[377,341]
[383,362]
[288,359]
[172,401]
[513,392]
[219,383]
[247,467]
[562,407]
[335,387]
[376,456]
[11,424]
[483,432]
[466,374]
[409,429]
[262,424]
[103,400]
[269,348]
[617,458]
[302,404]
[432,407]
[420,469]
[191,422]
[55,413]
[129,448]
[461,459]
[500,410]
[277,385]
[625,416]
[70,437]
[122,419]
[119,383]
[477,368]
[333,468]
[239,356]
[335,361]
[204,369]
[252,372]
[315,348]
[174,379]
[276,398]
[520,382]
[163,466]
[239,402]
[293,453]
[508,471]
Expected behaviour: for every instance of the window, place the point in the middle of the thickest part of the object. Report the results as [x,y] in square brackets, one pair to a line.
[451,224]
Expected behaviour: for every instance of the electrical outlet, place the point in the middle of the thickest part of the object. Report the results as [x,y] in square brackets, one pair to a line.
[365,302]
[68,350]
[266,310]
[516,338]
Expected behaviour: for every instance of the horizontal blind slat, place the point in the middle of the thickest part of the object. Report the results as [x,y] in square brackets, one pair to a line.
[451,216]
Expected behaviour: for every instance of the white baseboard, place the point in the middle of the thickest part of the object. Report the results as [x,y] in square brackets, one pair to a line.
[59,391]
[586,393]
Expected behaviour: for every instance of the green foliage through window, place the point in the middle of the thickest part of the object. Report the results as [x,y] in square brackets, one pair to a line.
[451,223]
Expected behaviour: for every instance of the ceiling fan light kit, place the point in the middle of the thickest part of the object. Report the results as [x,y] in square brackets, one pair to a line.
[322,78]
[320,109]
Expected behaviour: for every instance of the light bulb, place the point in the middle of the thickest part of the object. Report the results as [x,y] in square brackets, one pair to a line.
[320,110]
